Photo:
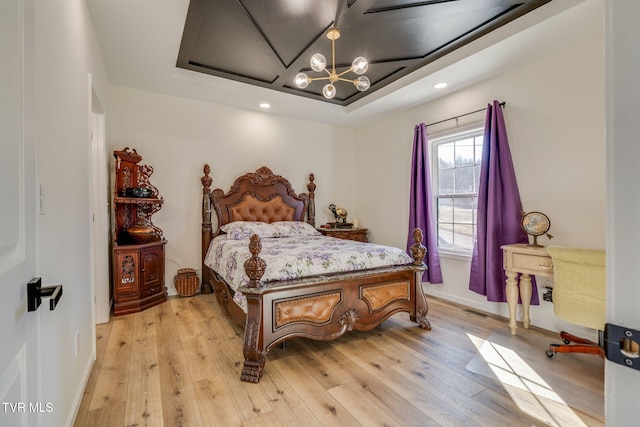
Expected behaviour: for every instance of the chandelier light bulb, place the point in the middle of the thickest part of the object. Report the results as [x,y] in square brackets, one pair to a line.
[318,62]
[362,83]
[329,91]
[360,65]
[301,80]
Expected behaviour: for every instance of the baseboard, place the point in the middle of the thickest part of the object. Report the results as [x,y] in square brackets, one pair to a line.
[501,309]
[487,306]
[77,399]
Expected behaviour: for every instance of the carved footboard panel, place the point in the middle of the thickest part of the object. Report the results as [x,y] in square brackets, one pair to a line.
[325,308]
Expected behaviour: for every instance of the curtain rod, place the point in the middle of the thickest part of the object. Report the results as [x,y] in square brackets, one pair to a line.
[502,104]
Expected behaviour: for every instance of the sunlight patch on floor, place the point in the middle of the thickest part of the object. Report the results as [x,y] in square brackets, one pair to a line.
[526,387]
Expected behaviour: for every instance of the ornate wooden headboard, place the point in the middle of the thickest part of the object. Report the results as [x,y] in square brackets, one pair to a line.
[256,196]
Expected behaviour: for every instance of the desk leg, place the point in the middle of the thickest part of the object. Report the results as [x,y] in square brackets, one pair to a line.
[525,297]
[511,291]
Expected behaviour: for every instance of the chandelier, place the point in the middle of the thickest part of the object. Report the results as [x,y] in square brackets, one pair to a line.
[319,63]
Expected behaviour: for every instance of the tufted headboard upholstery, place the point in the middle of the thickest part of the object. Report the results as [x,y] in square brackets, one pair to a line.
[256,196]
[251,208]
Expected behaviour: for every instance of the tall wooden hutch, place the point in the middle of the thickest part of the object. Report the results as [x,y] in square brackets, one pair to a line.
[138,245]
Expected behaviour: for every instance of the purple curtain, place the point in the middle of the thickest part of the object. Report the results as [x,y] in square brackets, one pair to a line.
[499,211]
[420,207]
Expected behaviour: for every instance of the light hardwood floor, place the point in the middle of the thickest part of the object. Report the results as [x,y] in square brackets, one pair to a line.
[179,363]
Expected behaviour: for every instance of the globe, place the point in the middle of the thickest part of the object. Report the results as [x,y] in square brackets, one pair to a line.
[535,224]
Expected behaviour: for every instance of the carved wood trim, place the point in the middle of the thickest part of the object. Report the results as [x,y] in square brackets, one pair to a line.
[129,155]
[349,319]
[311,188]
[144,176]
[206,180]
[255,266]
[421,318]
[263,185]
[130,211]
[254,360]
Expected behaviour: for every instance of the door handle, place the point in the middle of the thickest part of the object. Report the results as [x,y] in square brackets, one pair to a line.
[36,293]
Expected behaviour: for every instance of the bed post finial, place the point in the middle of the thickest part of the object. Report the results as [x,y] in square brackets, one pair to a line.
[418,251]
[255,266]
[206,179]
[311,187]
[206,196]
[206,288]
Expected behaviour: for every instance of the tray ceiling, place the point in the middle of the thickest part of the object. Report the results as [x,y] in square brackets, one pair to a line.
[266,43]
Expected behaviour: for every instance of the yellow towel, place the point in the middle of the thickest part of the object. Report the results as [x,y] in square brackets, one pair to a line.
[579,285]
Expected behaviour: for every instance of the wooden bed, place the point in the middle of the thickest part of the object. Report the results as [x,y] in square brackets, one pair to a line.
[321,307]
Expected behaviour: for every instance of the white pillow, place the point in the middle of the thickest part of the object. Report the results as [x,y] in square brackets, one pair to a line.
[294,228]
[241,230]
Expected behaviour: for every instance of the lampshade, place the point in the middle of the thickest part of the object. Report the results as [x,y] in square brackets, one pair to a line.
[362,83]
[318,62]
[329,91]
[301,80]
[360,65]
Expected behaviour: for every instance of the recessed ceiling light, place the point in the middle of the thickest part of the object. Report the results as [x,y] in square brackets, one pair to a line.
[265,105]
[440,85]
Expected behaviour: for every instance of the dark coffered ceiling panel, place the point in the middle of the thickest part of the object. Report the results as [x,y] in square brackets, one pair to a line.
[266,43]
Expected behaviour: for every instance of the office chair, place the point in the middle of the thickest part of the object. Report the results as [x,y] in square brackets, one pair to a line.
[579,283]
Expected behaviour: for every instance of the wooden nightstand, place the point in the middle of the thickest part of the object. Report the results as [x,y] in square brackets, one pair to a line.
[357,234]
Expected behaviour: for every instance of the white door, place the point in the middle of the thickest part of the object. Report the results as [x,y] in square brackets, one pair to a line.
[19,352]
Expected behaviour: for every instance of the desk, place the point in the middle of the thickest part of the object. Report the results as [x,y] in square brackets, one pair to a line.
[526,260]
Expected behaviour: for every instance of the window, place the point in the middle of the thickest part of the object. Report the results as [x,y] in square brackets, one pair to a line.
[456,171]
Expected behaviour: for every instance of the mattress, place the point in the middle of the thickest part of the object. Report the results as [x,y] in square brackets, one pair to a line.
[294,257]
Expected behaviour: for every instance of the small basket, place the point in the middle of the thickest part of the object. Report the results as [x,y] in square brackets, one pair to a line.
[186,282]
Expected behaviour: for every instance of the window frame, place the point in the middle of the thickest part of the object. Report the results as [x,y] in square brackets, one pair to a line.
[459,133]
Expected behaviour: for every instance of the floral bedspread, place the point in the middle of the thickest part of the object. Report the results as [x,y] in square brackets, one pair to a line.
[300,256]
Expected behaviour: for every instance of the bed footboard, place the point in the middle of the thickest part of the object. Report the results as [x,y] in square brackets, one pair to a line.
[326,307]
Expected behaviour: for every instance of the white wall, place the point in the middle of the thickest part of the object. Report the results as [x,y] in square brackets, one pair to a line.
[555,123]
[178,136]
[66,53]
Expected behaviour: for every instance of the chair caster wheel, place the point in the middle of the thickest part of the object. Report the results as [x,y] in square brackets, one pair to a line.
[550,353]
[566,341]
